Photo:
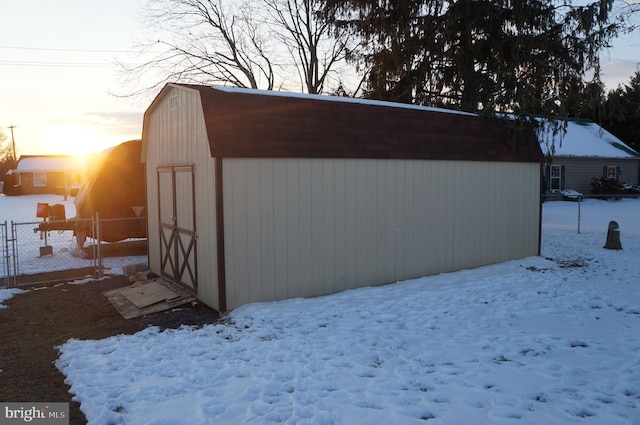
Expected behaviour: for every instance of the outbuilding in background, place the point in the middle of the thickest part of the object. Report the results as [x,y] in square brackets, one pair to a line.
[261,196]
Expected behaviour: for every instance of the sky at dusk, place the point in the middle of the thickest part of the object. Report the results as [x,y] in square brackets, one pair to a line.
[59,79]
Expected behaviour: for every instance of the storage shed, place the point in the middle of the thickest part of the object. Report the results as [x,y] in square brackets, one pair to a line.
[261,196]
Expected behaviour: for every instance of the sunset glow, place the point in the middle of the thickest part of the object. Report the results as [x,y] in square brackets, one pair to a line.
[59,74]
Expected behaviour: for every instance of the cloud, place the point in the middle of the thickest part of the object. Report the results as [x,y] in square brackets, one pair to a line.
[618,71]
[103,122]
[120,119]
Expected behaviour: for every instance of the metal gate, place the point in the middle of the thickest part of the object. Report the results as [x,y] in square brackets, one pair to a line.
[7,262]
[46,252]
[177,221]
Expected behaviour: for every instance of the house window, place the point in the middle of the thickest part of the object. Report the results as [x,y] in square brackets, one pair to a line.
[39,179]
[555,177]
[612,172]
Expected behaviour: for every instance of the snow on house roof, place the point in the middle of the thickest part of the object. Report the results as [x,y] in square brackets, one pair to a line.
[339,99]
[584,138]
[48,163]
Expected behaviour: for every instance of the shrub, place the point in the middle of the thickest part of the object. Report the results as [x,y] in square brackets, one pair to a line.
[605,186]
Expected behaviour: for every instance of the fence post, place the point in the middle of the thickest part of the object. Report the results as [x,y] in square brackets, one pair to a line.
[5,252]
[579,212]
[92,245]
[98,242]
[12,252]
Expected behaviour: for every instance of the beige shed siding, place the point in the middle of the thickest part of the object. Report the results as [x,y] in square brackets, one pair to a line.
[177,131]
[308,227]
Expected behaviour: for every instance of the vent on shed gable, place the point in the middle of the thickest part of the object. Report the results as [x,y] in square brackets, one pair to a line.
[173,103]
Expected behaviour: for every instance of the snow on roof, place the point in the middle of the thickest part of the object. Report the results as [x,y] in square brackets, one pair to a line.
[584,138]
[339,99]
[30,164]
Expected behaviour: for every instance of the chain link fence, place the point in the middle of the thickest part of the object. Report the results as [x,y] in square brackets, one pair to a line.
[59,250]
[48,251]
[4,258]
[591,214]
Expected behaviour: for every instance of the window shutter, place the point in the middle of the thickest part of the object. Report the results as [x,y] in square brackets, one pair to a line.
[618,173]
[604,172]
[547,174]
[562,173]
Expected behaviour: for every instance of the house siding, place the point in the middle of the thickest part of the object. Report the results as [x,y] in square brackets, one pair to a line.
[308,227]
[53,181]
[58,170]
[579,172]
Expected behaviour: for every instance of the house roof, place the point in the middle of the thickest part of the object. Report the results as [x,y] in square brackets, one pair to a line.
[48,163]
[254,123]
[584,138]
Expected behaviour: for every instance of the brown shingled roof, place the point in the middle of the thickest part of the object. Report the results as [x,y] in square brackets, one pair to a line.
[244,123]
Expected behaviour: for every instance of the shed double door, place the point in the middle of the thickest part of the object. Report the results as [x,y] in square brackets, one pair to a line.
[177,221]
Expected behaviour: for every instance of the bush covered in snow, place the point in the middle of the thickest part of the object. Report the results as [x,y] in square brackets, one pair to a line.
[570,195]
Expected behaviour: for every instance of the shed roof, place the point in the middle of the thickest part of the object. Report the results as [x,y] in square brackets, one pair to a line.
[255,123]
[48,163]
[585,138]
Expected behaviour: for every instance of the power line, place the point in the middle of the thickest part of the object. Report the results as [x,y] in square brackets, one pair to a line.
[66,50]
[60,64]
[57,64]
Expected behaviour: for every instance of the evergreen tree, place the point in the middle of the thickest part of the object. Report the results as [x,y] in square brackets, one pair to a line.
[586,100]
[519,56]
[622,112]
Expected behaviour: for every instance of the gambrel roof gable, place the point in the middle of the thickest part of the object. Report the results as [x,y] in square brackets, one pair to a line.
[255,123]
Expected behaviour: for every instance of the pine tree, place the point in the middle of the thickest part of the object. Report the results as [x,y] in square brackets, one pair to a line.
[519,56]
[622,109]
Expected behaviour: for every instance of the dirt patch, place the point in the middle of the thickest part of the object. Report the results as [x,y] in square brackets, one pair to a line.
[571,263]
[36,322]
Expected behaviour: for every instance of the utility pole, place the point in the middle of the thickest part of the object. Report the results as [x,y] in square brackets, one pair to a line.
[13,143]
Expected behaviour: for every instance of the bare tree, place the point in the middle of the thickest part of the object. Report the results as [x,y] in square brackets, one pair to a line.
[203,41]
[243,43]
[317,48]
[7,160]
[629,11]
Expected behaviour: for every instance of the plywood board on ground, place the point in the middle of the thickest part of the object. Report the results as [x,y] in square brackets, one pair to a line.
[149,293]
[150,297]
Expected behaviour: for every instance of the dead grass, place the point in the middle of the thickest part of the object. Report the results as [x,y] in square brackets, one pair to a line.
[35,323]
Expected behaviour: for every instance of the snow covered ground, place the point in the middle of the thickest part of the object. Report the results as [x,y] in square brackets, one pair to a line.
[22,209]
[544,340]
